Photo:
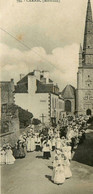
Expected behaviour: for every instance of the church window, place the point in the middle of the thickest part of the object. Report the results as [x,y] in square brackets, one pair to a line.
[88,85]
[4,108]
[68,106]
[52,102]
[88,75]
[55,102]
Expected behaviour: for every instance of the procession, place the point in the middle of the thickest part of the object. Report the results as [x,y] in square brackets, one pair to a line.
[46,90]
[60,141]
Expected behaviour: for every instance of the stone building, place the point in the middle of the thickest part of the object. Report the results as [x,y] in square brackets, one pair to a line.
[85,69]
[9,122]
[37,93]
[69,95]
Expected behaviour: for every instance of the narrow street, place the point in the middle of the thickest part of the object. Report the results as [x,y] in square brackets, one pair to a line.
[32,175]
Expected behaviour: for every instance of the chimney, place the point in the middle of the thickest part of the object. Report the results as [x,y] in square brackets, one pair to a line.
[46,75]
[37,74]
[21,76]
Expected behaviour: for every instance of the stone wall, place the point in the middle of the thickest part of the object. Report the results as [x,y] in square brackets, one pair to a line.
[10,137]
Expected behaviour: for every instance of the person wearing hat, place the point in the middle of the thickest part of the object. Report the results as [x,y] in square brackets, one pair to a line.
[9,155]
[16,151]
[21,149]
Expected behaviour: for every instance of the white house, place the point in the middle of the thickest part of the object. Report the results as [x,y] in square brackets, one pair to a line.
[37,93]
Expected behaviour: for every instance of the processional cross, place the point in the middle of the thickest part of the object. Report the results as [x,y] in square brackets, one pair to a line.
[42,116]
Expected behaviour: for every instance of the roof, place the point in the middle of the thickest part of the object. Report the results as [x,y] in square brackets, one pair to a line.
[24,79]
[68,92]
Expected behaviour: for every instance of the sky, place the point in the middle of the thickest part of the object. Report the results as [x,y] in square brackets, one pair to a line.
[52,33]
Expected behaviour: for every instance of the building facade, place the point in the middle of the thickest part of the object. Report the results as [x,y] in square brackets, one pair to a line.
[37,93]
[85,69]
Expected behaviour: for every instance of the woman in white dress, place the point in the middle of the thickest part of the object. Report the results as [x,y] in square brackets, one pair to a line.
[9,156]
[67,170]
[65,150]
[28,142]
[32,143]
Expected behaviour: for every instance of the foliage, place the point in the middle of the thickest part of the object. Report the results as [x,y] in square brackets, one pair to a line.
[24,115]
[36,121]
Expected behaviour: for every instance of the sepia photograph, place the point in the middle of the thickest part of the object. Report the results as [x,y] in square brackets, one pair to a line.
[46,97]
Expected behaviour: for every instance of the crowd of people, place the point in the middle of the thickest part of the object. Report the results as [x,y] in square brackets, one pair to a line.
[61,140]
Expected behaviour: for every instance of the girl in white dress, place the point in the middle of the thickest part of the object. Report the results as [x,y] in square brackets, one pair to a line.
[9,156]
[69,150]
[57,160]
[58,144]
[59,177]
[67,170]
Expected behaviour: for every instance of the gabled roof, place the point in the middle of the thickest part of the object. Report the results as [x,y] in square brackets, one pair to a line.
[68,92]
[24,79]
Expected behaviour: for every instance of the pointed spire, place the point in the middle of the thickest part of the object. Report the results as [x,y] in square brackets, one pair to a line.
[88,37]
[89,12]
[80,49]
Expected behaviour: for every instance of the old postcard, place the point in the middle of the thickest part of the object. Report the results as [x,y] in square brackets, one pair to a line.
[46,85]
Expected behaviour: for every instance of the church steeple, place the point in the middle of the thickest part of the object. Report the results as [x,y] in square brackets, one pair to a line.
[88,37]
[80,56]
[84,95]
[89,12]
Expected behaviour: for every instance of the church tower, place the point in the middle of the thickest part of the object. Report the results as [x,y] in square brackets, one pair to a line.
[85,69]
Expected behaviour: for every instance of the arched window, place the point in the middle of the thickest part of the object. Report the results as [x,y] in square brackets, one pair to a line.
[68,106]
[88,112]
